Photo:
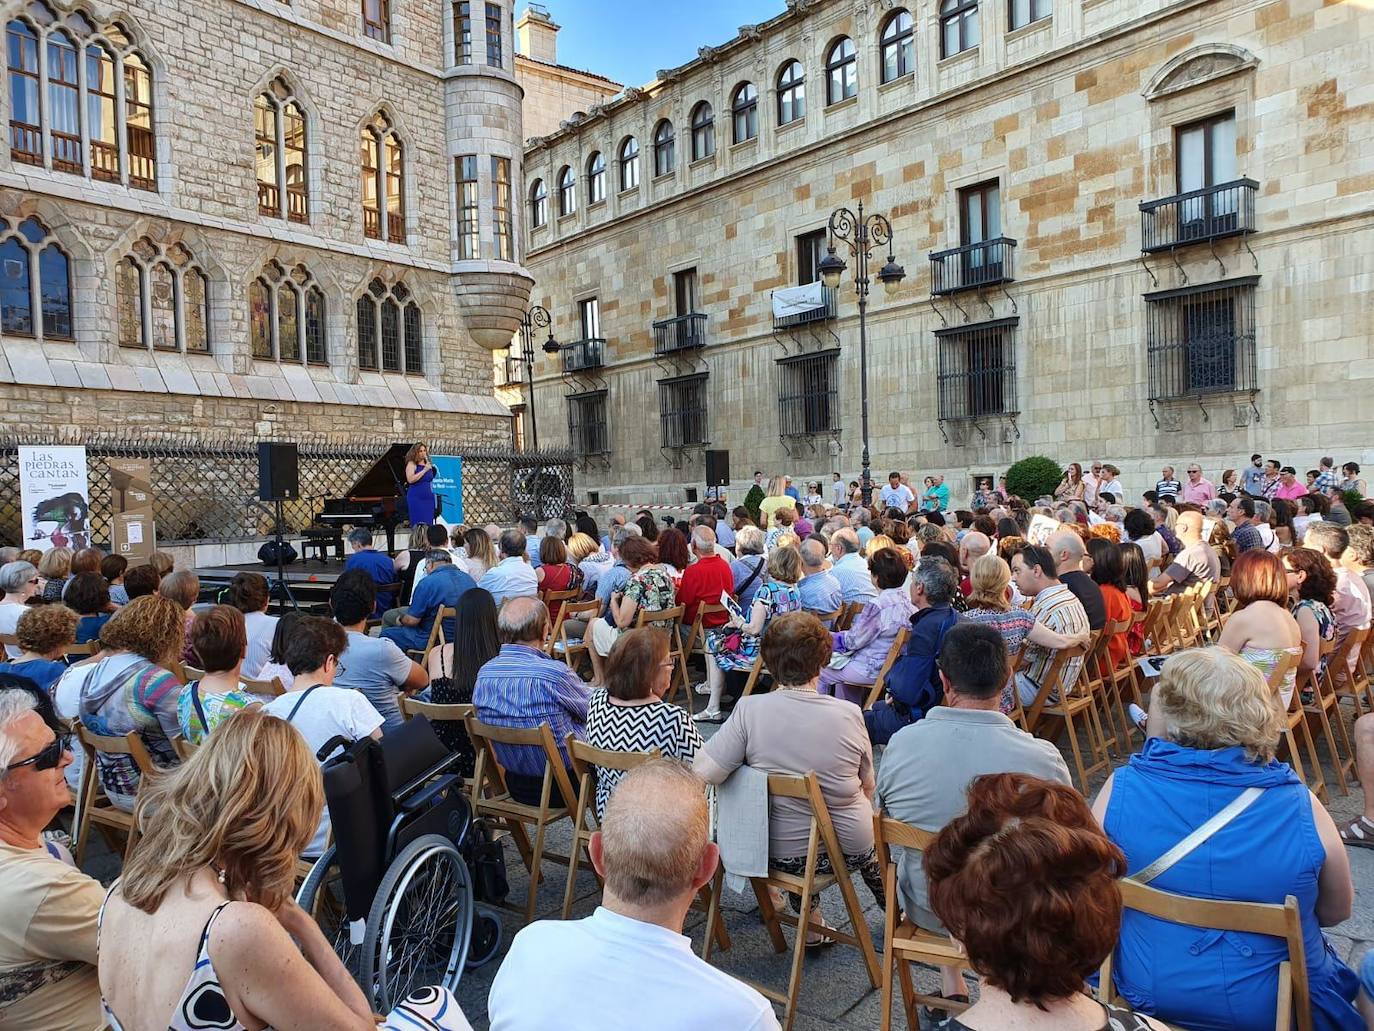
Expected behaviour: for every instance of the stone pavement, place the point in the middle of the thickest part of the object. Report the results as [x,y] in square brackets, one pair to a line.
[835,991]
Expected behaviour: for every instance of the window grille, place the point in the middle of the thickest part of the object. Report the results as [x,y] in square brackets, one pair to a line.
[808,394]
[1201,339]
[977,375]
[682,411]
[587,430]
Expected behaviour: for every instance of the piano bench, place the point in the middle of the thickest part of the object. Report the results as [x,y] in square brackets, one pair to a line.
[322,545]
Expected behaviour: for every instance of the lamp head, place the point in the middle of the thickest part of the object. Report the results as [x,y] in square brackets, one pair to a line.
[552,346]
[831,268]
[890,275]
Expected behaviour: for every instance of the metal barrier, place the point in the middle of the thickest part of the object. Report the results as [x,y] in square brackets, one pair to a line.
[206,489]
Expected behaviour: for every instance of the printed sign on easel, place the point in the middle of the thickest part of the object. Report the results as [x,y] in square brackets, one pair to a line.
[135,535]
[53,497]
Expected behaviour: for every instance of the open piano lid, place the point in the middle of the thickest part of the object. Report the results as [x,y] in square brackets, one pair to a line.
[386,478]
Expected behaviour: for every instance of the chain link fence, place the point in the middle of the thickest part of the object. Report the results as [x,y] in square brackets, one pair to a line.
[206,489]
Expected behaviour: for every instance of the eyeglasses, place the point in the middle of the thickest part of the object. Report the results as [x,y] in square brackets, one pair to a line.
[48,758]
[35,581]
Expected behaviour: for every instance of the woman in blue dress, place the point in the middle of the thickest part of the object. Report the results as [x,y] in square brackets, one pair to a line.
[1214,725]
[419,486]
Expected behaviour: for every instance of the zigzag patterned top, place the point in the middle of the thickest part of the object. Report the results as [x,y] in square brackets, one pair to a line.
[637,728]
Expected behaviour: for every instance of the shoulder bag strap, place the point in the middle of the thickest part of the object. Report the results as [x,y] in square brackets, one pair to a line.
[752,576]
[1238,805]
[200,712]
[299,702]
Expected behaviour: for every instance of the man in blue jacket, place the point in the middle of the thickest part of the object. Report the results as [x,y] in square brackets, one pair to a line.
[913,685]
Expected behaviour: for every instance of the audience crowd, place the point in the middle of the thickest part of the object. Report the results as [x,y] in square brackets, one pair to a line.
[896,649]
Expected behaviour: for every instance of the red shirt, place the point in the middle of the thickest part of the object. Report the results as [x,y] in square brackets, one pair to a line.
[702,582]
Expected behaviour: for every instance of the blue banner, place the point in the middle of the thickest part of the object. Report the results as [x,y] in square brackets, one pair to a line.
[448,489]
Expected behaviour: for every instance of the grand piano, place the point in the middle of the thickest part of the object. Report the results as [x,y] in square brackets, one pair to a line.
[376,500]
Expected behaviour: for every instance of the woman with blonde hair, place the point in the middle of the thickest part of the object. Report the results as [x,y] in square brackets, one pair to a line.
[989,603]
[1214,725]
[204,908]
[735,645]
[582,546]
[53,567]
[481,556]
[777,499]
[877,543]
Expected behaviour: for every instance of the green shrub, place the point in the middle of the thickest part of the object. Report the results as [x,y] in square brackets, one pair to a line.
[1034,477]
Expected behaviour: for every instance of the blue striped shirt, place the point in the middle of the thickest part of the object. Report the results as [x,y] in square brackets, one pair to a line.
[522,687]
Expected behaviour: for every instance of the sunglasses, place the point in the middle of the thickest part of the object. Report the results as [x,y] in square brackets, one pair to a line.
[48,758]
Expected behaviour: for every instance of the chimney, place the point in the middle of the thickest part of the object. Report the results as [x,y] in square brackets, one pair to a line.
[536,34]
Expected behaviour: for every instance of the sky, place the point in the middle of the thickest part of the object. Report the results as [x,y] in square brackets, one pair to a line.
[630,40]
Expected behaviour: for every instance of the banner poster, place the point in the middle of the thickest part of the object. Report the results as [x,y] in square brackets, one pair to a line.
[135,535]
[53,497]
[448,489]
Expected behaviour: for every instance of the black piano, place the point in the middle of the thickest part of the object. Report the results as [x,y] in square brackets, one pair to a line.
[374,501]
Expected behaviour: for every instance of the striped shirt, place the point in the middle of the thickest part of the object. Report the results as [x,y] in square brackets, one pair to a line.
[1063,613]
[523,688]
[637,728]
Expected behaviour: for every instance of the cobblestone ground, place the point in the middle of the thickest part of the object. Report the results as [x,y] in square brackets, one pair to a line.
[835,989]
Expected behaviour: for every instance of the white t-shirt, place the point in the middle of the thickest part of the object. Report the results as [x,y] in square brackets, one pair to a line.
[261,629]
[9,623]
[327,713]
[839,492]
[571,974]
[897,497]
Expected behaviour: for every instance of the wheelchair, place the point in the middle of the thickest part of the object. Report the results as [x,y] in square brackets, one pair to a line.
[394,893]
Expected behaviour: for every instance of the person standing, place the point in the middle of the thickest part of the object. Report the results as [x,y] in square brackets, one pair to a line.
[897,494]
[1166,486]
[1198,490]
[1270,484]
[1252,480]
[1289,489]
[937,496]
[838,494]
[419,486]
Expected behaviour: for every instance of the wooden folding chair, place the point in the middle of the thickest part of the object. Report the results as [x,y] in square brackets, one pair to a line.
[561,599]
[1241,917]
[436,636]
[183,748]
[696,636]
[829,619]
[847,612]
[572,649]
[809,884]
[674,616]
[93,805]
[9,641]
[1295,720]
[879,685]
[1324,705]
[1058,704]
[903,940]
[1097,681]
[80,651]
[1353,684]
[492,799]
[271,688]
[453,711]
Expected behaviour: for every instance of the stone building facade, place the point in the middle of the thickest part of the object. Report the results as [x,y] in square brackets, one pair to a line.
[260,218]
[1134,230]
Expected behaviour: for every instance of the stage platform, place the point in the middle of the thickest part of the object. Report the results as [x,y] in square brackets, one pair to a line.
[309,581]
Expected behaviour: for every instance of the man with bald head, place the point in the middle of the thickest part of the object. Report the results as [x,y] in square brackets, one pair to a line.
[654,852]
[972,546]
[1197,562]
[820,592]
[524,688]
[1069,551]
[850,568]
[704,580]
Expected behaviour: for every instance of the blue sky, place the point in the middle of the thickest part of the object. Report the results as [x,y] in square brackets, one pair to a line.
[629,40]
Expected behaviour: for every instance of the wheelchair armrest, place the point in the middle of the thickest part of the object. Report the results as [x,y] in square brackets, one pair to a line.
[422,798]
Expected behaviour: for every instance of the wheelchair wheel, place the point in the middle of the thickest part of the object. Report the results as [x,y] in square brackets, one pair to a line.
[321,895]
[486,938]
[420,923]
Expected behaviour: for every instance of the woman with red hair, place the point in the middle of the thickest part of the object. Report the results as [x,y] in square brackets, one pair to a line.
[1262,630]
[1057,913]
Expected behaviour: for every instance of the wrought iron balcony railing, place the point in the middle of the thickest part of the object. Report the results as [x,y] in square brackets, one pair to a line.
[683,333]
[974,265]
[581,355]
[1212,213]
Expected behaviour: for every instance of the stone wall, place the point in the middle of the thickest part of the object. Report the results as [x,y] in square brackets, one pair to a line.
[204,82]
[1075,116]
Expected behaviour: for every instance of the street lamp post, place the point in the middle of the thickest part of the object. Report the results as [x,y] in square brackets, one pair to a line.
[536,318]
[861,234]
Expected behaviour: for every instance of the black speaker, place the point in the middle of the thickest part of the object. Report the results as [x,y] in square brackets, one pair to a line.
[278,472]
[717,468]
